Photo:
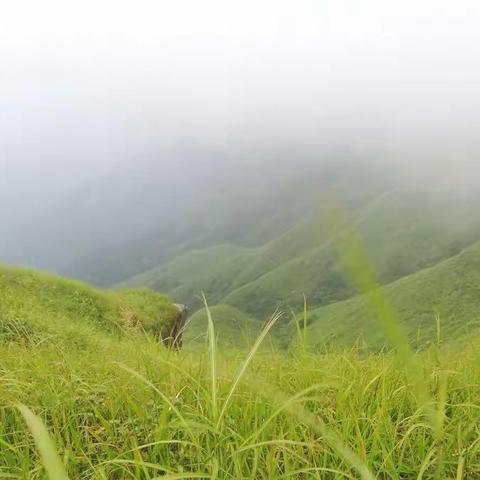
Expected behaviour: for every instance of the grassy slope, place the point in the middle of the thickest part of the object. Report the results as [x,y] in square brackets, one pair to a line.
[233,327]
[403,233]
[450,288]
[122,406]
[219,270]
[34,304]
[212,271]
[397,228]
[291,416]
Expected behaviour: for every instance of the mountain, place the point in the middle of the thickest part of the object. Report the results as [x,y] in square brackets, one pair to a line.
[449,290]
[257,241]
[106,225]
[404,230]
[233,328]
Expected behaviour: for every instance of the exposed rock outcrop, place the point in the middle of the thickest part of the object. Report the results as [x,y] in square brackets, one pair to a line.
[174,338]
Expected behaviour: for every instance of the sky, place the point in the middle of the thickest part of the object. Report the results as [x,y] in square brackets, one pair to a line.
[113,77]
[88,86]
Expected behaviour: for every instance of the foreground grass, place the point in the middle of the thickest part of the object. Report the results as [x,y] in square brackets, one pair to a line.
[130,409]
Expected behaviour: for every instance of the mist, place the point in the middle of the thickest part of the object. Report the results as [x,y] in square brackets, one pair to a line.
[120,122]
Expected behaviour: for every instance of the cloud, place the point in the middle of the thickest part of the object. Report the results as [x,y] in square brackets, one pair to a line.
[112,76]
[89,87]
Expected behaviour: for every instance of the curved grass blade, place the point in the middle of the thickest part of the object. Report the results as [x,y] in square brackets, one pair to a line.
[45,446]
[164,397]
[212,348]
[247,361]
[316,424]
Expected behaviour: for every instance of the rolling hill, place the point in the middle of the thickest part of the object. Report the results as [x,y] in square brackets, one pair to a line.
[449,289]
[232,327]
[40,307]
[117,223]
[405,230]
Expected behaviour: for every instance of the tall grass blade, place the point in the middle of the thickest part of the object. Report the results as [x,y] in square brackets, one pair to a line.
[316,424]
[353,256]
[247,361]
[305,320]
[461,464]
[438,325]
[297,327]
[162,395]
[45,446]
[212,348]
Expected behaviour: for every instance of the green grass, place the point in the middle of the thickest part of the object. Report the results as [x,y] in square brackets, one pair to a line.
[213,270]
[37,307]
[404,232]
[233,327]
[449,290]
[132,409]
[118,405]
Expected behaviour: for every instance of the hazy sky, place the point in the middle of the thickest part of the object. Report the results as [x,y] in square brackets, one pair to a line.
[85,82]
[85,85]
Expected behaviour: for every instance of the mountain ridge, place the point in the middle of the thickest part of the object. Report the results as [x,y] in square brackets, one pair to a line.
[404,230]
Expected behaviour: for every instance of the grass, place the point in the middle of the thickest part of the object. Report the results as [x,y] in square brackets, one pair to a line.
[448,291]
[50,459]
[136,410]
[119,405]
[233,328]
[398,228]
[40,307]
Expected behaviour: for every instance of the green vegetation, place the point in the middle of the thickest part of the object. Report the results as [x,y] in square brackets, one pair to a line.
[449,290]
[404,231]
[233,327]
[213,271]
[381,385]
[122,407]
[37,307]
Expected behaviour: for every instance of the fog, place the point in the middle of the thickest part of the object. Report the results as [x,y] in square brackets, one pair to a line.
[116,113]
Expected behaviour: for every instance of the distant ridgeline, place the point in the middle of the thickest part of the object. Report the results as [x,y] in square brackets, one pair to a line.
[422,242]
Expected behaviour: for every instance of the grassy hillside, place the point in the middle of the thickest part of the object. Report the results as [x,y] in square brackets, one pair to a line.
[219,270]
[450,289]
[246,202]
[129,408]
[234,328]
[212,271]
[404,231]
[36,306]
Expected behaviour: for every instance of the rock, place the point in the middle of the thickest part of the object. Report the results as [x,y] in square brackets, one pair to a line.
[173,339]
